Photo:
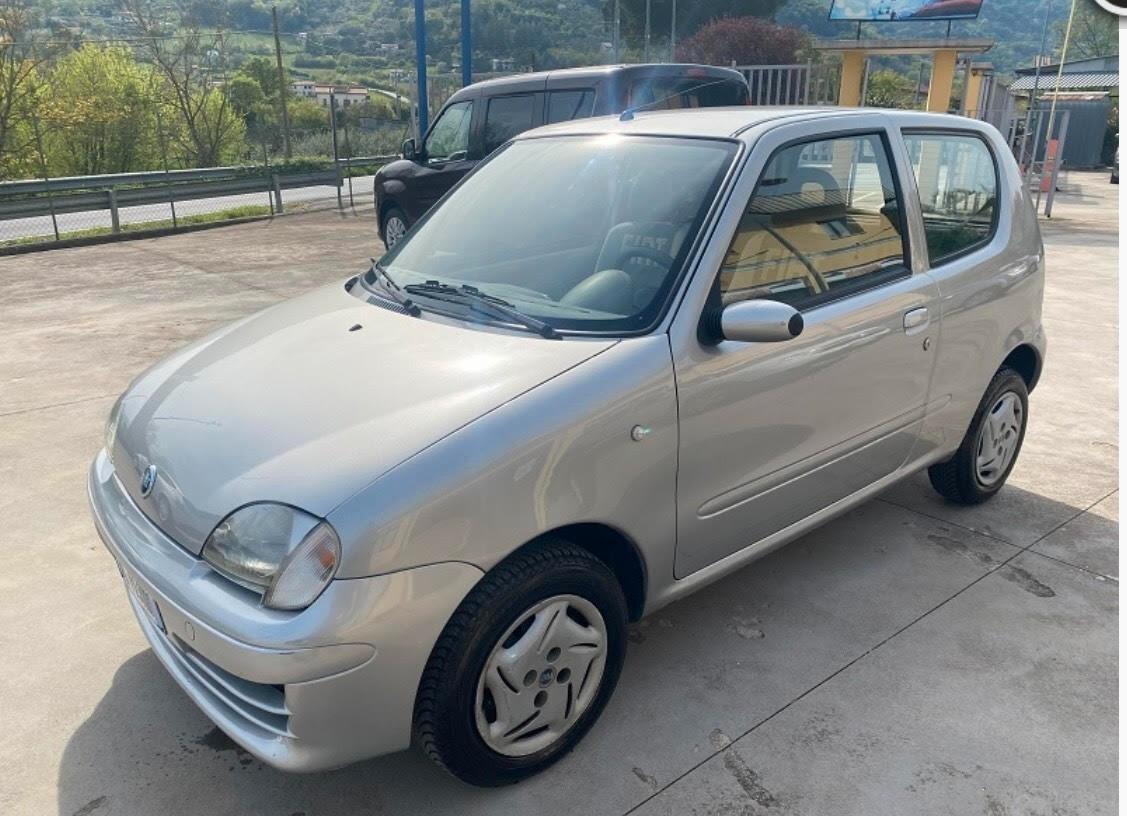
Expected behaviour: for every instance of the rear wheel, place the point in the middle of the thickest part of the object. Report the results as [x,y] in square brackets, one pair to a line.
[990,449]
[394,226]
[524,667]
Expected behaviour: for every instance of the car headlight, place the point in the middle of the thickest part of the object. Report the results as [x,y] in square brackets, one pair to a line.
[286,555]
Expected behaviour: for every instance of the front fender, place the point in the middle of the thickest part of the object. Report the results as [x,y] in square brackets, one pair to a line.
[559,454]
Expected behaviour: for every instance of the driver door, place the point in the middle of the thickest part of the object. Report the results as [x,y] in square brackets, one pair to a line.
[445,156]
[772,433]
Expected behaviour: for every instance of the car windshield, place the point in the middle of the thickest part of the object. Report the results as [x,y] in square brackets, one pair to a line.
[583,233]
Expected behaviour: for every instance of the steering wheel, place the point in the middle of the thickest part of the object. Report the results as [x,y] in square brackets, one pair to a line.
[662,259]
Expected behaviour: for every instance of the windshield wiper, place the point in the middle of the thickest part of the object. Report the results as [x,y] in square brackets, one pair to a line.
[393,289]
[473,297]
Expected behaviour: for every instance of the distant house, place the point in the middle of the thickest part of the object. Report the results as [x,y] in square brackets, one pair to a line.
[320,92]
[502,64]
[1087,91]
[1096,74]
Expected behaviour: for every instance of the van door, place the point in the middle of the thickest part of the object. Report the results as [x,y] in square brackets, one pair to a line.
[445,159]
[774,432]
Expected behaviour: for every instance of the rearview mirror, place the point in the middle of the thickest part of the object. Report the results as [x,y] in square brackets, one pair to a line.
[760,321]
[409,151]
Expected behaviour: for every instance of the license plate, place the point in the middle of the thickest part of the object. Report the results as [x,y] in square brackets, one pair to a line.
[142,596]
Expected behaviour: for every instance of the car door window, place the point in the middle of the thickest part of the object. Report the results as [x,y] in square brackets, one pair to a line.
[824,222]
[449,138]
[505,117]
[958,183]
[566,105]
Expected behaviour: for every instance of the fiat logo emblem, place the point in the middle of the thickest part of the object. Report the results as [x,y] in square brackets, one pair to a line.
[148,481]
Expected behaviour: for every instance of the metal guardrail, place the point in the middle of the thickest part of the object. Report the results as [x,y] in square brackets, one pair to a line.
[33,198]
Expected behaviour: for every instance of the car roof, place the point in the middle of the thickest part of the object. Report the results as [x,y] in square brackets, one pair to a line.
[596,72]
[730,122]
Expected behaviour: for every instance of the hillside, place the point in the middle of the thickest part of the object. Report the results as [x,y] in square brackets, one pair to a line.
[362,40]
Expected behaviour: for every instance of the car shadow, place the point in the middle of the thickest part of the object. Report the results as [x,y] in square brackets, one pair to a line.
[712,664]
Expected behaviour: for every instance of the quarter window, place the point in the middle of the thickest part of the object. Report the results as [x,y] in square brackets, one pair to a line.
[824,222]
[566,105]
[449,139]
[505,117]
[958,184]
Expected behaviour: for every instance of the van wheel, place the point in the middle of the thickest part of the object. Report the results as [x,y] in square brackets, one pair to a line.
[394,226]
[525,666]
[992,444]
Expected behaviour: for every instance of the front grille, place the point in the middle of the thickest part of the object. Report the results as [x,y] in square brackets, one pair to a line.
[260,704]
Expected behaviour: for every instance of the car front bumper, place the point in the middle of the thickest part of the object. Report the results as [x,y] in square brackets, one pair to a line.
[303,691]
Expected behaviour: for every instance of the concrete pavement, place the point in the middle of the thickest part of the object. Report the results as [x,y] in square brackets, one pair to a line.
[911,657]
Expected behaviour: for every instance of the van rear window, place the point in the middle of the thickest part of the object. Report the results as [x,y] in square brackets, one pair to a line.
[675,93]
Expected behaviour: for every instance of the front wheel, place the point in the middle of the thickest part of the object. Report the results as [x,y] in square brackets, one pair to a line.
[394,226]
[990,449]
[524,667]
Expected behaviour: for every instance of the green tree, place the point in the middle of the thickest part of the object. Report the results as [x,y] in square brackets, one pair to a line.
[19,89]
[890,89]
[208,130]
[1095,33]
[99,113]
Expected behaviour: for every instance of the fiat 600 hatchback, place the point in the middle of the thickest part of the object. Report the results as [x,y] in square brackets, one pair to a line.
[622,358]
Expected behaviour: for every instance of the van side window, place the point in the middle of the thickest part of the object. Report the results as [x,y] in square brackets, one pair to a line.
[824,222]
[958,184]
[449,138]
[505,117]
[566,105]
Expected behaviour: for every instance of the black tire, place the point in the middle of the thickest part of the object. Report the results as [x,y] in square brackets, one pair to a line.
[444,722]
[957,479]
[389,214]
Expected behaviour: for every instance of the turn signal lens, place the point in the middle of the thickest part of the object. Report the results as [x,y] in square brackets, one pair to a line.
[306,571]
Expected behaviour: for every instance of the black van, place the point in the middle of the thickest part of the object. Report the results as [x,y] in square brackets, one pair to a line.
[481,117]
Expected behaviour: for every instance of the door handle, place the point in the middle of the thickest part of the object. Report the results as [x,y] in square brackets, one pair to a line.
[916,321]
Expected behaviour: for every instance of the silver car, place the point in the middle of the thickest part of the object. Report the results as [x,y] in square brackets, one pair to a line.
[623,358]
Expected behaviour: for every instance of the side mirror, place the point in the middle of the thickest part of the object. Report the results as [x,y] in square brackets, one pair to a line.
[760,321]
[409,150]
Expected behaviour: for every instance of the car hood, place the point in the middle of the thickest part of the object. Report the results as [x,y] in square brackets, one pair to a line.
[309,401]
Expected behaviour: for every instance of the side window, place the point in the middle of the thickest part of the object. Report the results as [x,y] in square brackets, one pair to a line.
[823,222]
[566,105]
[958,184]
[449,138]
[505,117]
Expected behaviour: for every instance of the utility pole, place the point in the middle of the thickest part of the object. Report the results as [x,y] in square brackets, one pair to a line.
[467,45]
[673,34]
[615,33]
[1060,72]
[646,49]
[1040,58]
[421,66]
[281,85]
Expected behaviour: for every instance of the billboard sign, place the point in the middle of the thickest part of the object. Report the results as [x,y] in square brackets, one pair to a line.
[877,11]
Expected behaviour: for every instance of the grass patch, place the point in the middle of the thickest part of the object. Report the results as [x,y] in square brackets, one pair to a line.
[244,211]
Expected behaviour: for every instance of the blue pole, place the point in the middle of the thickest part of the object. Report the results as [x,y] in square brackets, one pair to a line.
[467,45]
[421,65]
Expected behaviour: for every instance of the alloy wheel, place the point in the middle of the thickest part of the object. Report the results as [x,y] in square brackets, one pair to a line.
[394,229]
